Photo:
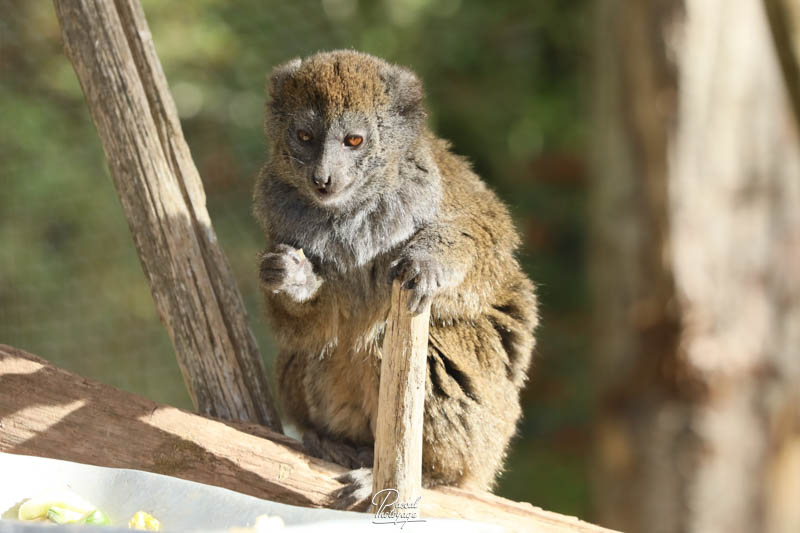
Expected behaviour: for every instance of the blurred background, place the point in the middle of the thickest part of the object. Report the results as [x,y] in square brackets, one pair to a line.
[668,282]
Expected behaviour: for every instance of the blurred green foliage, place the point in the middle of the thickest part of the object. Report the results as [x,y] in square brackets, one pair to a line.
[505,83]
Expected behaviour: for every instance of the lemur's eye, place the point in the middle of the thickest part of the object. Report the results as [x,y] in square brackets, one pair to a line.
[304,136]
[353,140]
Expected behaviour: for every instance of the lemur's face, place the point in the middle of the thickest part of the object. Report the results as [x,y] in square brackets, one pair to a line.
[332,156]
[341,122]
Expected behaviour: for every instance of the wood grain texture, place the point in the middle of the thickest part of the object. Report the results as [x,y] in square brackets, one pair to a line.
[401,399]
[112,51]
[48,412]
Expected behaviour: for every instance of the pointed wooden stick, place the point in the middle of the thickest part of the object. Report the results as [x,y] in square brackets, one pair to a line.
[398,432]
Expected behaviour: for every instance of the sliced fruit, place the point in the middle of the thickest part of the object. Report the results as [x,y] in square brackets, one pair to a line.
[144,522]
[62,498]
[97,518]
[62,515]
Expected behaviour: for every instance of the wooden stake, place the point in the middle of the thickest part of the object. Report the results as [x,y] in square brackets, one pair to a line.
[398,432]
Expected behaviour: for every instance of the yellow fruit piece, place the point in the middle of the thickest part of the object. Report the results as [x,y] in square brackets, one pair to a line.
[301,254]
[144,522]
[64,498]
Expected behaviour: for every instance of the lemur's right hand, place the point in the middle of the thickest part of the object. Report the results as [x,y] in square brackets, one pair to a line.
[286,269]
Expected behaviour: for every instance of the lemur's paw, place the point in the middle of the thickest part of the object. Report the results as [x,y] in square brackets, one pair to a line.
[286,269]
[422,274]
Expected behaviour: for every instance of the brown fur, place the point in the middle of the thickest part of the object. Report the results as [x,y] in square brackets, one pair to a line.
[351,83]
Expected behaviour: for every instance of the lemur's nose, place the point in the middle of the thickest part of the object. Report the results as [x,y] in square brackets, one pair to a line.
[322,182]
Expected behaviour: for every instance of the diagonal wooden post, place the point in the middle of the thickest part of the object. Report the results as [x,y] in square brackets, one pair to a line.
[401,397]
[112,51]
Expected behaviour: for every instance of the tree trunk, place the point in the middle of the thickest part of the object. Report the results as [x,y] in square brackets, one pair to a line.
[696,270]
[112,51]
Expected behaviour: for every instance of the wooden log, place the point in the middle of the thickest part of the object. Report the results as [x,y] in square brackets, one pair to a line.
[112,51]
[398,431]
[48,412]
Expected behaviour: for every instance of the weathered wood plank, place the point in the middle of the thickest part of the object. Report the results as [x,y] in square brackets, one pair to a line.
[48,412]
[112,51]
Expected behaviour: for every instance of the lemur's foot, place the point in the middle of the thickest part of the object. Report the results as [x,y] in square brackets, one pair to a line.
[341,453]
[356,493]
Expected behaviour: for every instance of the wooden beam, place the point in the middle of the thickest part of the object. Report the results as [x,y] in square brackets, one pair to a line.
[401,398]
[49,412]
[112,51]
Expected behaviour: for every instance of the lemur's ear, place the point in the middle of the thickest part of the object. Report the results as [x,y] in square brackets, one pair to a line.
[405,89]
[279,75]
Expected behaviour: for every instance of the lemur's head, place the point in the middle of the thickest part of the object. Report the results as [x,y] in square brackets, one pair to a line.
[341,122]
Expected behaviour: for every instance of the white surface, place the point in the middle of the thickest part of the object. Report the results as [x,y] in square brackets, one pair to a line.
[178,504]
